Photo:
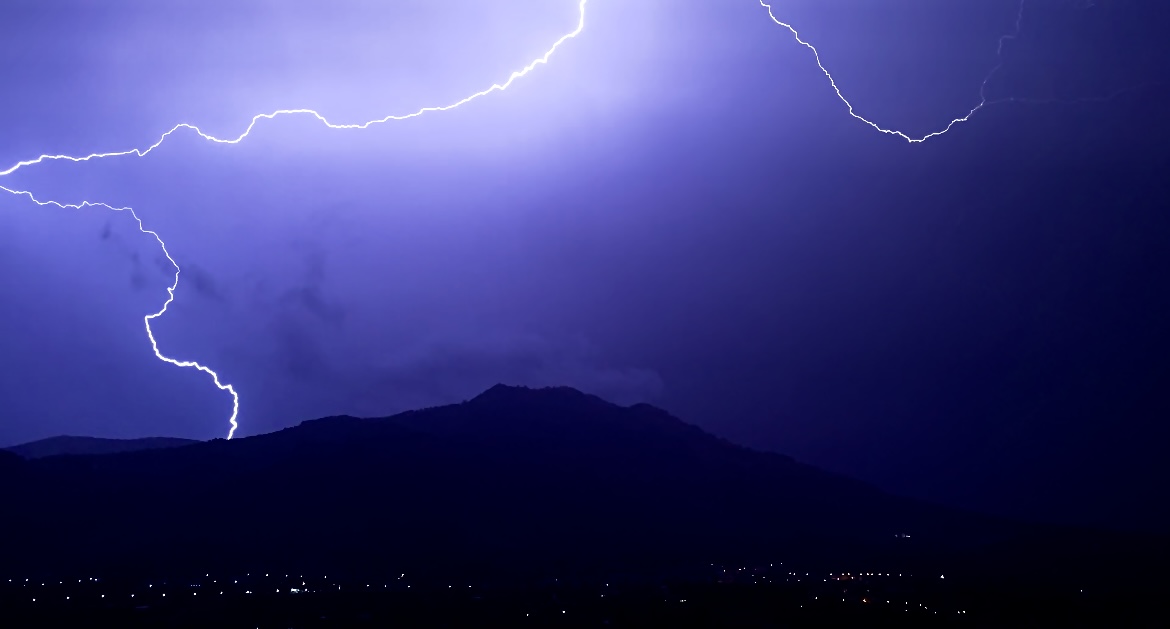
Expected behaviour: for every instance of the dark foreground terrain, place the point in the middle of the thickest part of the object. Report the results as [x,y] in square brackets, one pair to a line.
[520,506]
[733,596]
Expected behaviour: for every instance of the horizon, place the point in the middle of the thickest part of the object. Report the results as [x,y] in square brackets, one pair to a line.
[526,496]
[578,395]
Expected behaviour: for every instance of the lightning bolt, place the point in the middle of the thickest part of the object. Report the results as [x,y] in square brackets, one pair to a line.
[143,152]
[496,87]
[983,102]
[170,294]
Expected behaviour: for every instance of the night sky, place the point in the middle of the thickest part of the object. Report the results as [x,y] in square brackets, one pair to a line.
[676,209]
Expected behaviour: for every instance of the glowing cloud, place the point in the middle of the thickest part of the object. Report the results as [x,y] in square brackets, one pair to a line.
[143,152]
[496,87]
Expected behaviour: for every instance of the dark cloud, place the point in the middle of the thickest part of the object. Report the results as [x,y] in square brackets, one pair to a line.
[295,316]
[309,295]
[202,282]
[163,264]
[138,279]
[127,247]
[299,353]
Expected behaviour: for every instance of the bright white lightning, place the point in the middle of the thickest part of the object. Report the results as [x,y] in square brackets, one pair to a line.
[170,296]
[496,87]
[983,102]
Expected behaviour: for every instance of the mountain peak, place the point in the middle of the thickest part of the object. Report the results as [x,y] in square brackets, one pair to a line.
[527,395]
[517,479]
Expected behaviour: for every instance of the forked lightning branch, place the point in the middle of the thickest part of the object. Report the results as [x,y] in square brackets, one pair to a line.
[496,87]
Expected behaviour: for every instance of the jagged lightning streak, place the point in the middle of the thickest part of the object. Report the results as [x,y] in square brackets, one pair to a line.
[496,87]
[983,102]
[170,295]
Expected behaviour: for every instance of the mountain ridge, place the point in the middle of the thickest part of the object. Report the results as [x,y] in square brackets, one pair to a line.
[76,445]
[532,481]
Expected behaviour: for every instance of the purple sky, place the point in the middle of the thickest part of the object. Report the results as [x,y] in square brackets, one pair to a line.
[677,209]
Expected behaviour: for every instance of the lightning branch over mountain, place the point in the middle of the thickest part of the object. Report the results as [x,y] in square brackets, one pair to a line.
[170,295]
[143,152]
[496,87]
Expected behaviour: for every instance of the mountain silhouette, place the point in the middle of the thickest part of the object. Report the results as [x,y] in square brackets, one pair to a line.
[55,446]
[516,481]
[9,463]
